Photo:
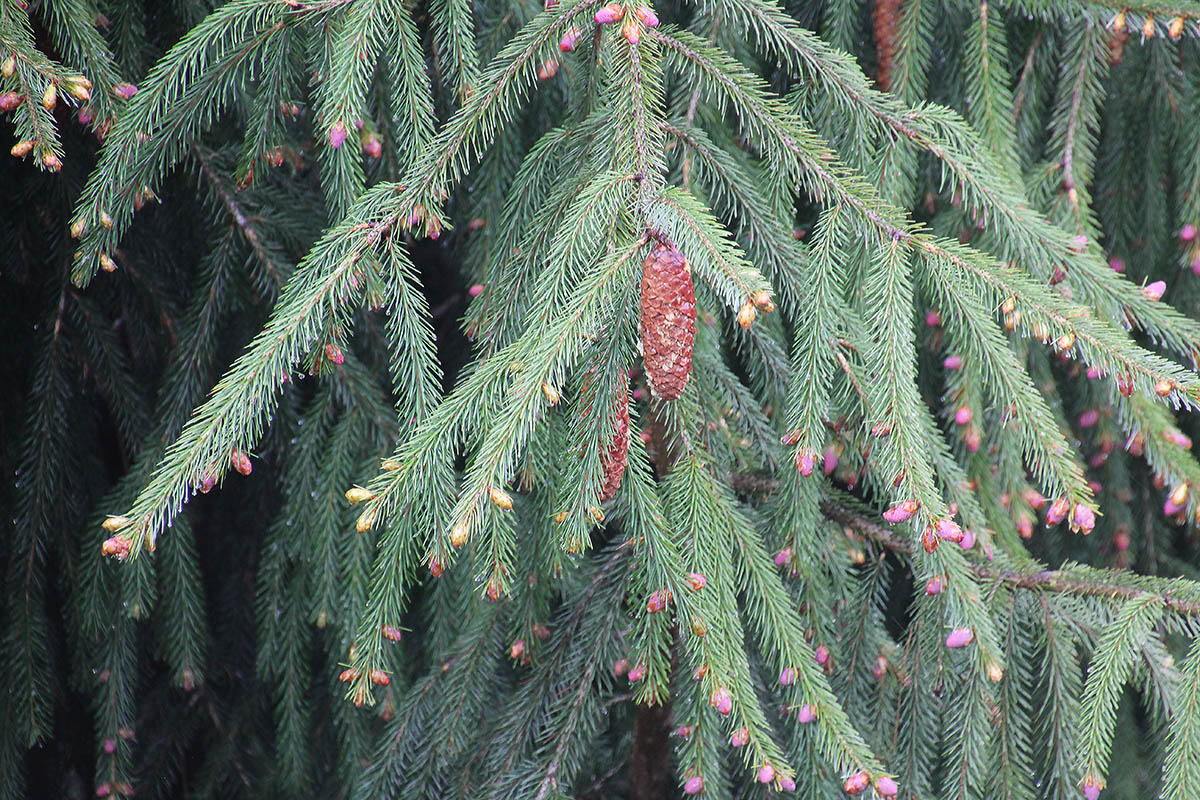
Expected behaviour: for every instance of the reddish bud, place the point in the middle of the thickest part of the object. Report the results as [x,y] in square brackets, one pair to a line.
[806,714]
[379,677]
[1154,291]
[693,785]
[788,676]
[766,773]
[569,40]
[1089,418]
[1058,511]
[935,585]
[960,637]
[437,567]
[648,17]
[699,672]
[721,700]
[963,415]
[740,737]
[932,318]
[657,602]
[783,556]
[390,633]
[348,675]
[952,362]
[902,512]
[948,529]
[805,461]
[1083,518]
[821,656]
[609,13]
[857,783]
[637,673]
[337,134]
[620,667]
[696,581]
[830,461]
[787,783]
[886,786]
[125,90]
[929,539]
[517,649]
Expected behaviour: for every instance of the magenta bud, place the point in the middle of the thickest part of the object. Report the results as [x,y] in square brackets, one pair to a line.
[968,539]
[475,290]
[1154,291]
[125,90]
[1116,264]
[1171,508]
[963,415]
[637,673]
[886,786]
[766,773]
[822,655]
[110,746]
[337,134]
[1179,439]
[648,17]
[1089,418]
[788,676]
[948,529]
[1188,232]
[952,362]
[721,700]
[1094,372]
[1058,511]
[693,785]
[806,714]
[960,637]
[935,585]
[831,460]
[1079,243]
[568,43]
[932,318]
[783,556]
[609,13]
[805,461]
[786,783]
[739,737]
[1083,518]
[902,512]
[1091,789]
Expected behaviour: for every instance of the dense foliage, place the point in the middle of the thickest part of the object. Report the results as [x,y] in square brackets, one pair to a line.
[448,399]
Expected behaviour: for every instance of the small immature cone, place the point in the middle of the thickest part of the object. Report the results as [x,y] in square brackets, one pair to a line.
[963,415]
[337,134]
[901,512]
[609,13]
[935,585]
[648,18]
[805,461]
[806,714]
[766,773]
[1091,788]
[787,783]
[569,40]
[390,632]
[960,637]
[696,581]
[631,30]
[125,90]
[886,787]
[739,737]
[857,783]
[500,499]
[459,534]
[1058,511]
[693,785]
[668,320]
[616,456]
[1083,519]
[358,495]
[50,97]
[1154,291]
[788,676]
[949,530]
[721,700]
[9,101]
[746,315]
[822,655]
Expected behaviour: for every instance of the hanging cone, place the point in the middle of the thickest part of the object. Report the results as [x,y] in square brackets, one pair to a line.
[668,320]
[613,460]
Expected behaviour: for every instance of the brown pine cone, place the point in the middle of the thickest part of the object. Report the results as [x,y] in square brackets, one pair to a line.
[887,19]
[668,320]
[613,461]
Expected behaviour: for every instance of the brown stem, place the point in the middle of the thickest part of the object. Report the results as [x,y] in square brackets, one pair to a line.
[649,771]
[1044,580]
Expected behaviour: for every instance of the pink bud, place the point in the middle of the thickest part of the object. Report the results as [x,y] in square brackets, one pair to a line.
[822,655]
[1083,518]
[609,13]
[960,637]
[337,134]
[1116,265]
[935,585]
[110,746]
[721,700]
[1079,243]
[103,790]
[932,318]
[805,461]
[952,362]
[699,672]
[696,581]
[856,783]
[684,731]
[125,90]
[1188,232]
[831,460]
[783,556]
[1058,511]
[948,529]
[656,603]
[806,714]
[648,17]
[620,667]
[693,785]
[739,737]
[1089,418]
[968,539]
[1094,372]
[1170,508]
[766,773]
[568,43]
[1178,439]
[475,290]
[902,512]
[963,415]
[1091,789]
[1154,291]
[1025,527]
[886,786]
[786,783]
[637,673]
[788,676]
